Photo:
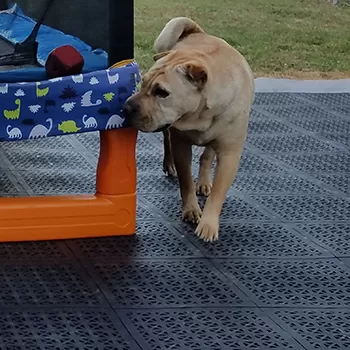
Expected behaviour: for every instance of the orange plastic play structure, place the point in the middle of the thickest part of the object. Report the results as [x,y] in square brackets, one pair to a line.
[110,211]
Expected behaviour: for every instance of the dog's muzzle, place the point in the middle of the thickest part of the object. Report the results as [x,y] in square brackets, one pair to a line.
[130,109]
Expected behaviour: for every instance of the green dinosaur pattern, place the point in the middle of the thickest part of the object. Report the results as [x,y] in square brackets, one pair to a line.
[68,126]
[13,113]
[109,96]
[41,92]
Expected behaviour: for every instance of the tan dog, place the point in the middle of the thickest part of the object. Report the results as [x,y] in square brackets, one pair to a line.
[199,92]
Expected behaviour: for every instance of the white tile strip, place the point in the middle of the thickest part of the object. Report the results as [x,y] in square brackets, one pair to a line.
[305,86]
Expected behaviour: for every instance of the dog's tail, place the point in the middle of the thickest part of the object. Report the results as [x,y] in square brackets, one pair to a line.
[175,30]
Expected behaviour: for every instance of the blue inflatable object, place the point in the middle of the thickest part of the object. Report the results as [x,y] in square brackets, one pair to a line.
[15,27]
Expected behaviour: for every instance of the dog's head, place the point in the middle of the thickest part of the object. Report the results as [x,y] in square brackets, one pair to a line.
[172,88]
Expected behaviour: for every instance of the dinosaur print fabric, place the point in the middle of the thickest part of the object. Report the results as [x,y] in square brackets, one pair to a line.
[73,104]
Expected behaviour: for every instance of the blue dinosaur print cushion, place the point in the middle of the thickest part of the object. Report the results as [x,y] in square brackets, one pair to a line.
[73,104]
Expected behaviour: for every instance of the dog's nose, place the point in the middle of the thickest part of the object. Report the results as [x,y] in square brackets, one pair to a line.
[126,109]
[129,109]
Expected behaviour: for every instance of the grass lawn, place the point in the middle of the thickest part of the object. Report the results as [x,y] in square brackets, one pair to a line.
[305,39]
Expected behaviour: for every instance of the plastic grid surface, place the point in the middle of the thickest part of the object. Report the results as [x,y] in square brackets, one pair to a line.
[208,329]
[321,329]
[283,183]
[45,284]
[172,283]
[47,182]
[7,187]
[292,282]
[278,278]
[288,143]
[72,329]
[340,182]
[340,138]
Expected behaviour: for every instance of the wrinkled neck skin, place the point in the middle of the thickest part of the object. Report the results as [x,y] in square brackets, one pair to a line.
[229,134]
[207,123]
[192,120]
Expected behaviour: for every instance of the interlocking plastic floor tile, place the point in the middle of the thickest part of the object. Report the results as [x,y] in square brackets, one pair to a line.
[256,114]
[233,209]
[292,283]
[157,137]
[281,98]
[47,159]
[267,126]
[253,163]
[280,183]
[47,182]
[6,185]
[54,143]
[149,161]
[90,141]
[343,110]
[307,208]
[156,183]
[323,162]
[340,138]
[257,241]
[341,182]
[149,142]
[63,329]
[278,278]
[331,124]
[46,284]
[142,213]
[152,240]
[207,329]
[169,207]
[317,329]
[336,99]
[28,251]
[288,143]
[167,283]
[289,113]
[337,102]
[334,237]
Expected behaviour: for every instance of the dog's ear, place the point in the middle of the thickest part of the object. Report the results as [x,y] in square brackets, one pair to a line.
[196,73]
[160,55]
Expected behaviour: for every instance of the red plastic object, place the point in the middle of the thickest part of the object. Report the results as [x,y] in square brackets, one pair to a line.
[64,61]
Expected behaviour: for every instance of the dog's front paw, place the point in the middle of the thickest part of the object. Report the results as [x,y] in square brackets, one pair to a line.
[169,168]
[203,188]
[208,230]
[192,214]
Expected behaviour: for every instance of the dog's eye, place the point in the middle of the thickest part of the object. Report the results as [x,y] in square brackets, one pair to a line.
[161,92]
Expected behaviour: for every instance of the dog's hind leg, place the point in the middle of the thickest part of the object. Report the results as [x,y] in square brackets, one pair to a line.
[203,186]
[182,152]
[168,160]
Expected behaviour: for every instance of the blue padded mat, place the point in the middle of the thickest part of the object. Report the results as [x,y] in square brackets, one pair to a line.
[279,277]
[73,104]
[15,27]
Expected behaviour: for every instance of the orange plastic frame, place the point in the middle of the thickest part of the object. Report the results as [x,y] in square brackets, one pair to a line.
[111,211]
